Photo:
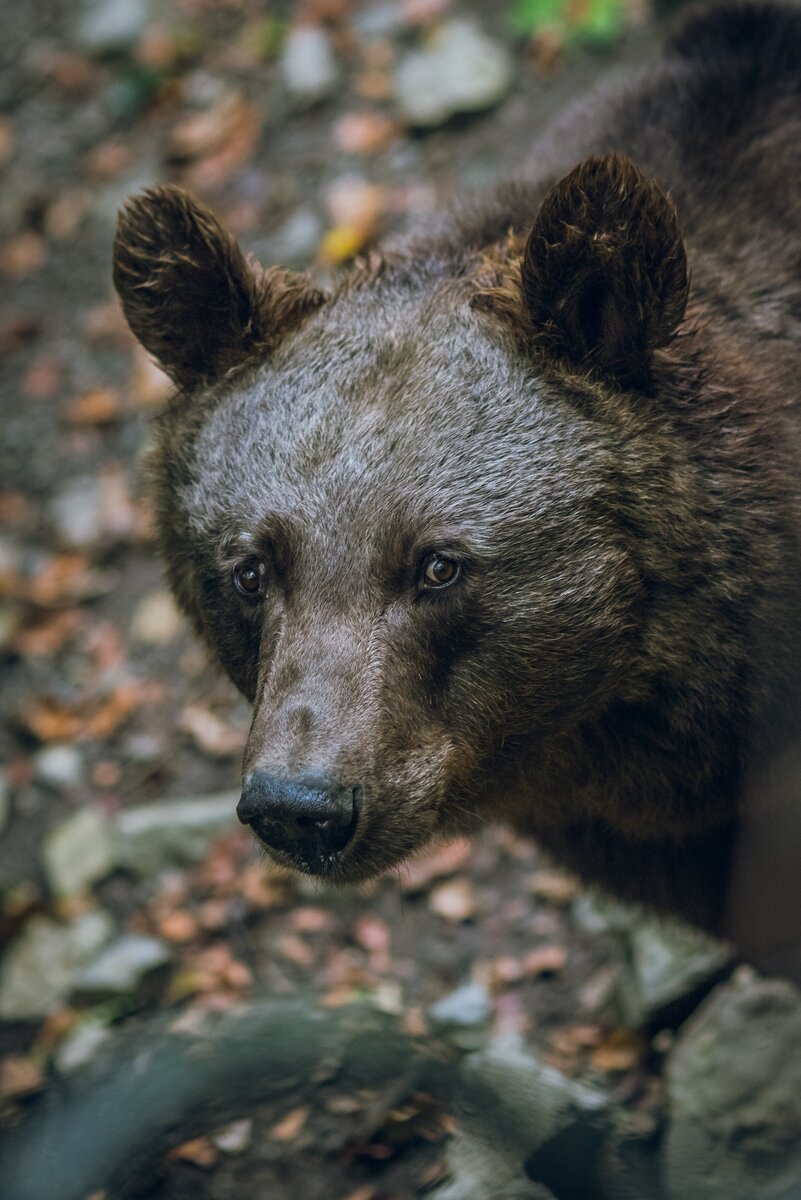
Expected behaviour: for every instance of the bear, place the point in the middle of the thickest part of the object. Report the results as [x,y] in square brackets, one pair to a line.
[506,525]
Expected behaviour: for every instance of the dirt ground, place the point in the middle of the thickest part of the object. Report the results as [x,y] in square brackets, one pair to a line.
[93,657]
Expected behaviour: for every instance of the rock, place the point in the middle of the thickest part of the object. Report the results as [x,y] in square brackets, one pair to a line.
[38,968]
[156,620]
[76,512]
[122,965]
[465,1008]
[154,836]
[664,959]
[310,72]
[78,852]
[669,960]
[734,1085]
[106,26]
[459,70]
[296,241]
[80,1045]
[511,1105]
[58,766]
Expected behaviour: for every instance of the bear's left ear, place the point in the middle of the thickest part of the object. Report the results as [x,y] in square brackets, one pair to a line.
[604,272]
[189,294]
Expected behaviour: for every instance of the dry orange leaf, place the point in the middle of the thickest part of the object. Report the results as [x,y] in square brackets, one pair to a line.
[19,1076]
[620,1050]
[210,732]
[545,960]
[22,255]
[419,872]
[365,132]
[288,1128]
[199,1151]
[98,406]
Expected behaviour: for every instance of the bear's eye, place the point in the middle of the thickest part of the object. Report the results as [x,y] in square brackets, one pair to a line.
[439,571]
[248,577]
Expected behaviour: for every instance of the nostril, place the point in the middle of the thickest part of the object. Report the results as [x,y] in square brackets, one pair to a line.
[307,815]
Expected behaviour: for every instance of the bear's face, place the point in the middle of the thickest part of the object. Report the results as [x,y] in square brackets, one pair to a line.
[399,530]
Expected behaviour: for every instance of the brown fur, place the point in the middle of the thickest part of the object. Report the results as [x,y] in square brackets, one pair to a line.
[595,414]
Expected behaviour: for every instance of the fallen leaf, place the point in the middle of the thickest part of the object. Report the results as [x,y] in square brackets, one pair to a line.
[201,1152]
[545,960]
[19,1076]
[178,926]
[212,734]
[6,139]
[288,1128]
[308,919]
[99,406]
[149,386]
[109,159]
[557,887]
[43,378]
[340,244]
[419,872]
[620,1050]
[365,132]
[454,901]
[373,934]
[22,255]
[293,948]
[66,213]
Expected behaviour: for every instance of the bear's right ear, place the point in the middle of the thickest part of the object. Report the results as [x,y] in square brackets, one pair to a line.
[189,294]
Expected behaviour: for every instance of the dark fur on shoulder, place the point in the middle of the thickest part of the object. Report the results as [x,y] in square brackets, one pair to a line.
[576,400]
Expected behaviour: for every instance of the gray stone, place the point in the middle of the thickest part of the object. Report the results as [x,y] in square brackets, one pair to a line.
[76,512]
[58,766]
[669,960]
[109,25]
[77,853]
[510,1105]
[296,241]
[80,1045]
[308,65]
[122,965]
[464,1008]
[459,70]
[734,1085]
[38,968]
[154,836]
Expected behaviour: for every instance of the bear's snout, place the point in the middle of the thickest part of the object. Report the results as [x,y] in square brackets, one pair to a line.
[310,819]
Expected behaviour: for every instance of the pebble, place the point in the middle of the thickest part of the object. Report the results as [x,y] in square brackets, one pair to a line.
[76,512]
[465,1008]
[58,766]
[459,70]
[80,1045]
[77,853]
[308,66]
[122,965]
[108,25]
[38,968]
[156,620]
[295,242]
[151,837]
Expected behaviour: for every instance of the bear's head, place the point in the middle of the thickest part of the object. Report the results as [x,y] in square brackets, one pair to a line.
[417,519]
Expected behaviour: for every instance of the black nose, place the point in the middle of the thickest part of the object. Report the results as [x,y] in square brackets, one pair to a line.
[309,818]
